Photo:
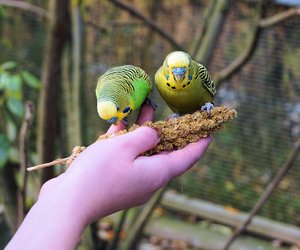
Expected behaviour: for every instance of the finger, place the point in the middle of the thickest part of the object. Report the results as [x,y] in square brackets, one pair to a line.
[116,128]
[139,140]
[146,114]
[181,160]
[174,163]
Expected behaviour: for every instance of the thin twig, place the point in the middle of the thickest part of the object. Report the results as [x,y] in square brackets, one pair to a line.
[266,195]
[279,17]
[148,21]
[26,6]
[24,160]
[60,161]
[118,230]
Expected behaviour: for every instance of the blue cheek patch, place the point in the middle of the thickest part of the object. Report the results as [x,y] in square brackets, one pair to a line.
[190,77]
[167,77]
[126,110]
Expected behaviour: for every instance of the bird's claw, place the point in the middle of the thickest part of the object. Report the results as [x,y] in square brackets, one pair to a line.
[151,103]
[207,107]
[173,116]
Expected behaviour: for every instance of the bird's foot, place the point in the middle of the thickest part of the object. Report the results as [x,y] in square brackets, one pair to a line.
[173,116]
[207,107]
[148,101]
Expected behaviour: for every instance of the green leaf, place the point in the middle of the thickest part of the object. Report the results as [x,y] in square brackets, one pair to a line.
[4,148]
[14,83]
[14,155]
[2,12]
[8,65]
[11,130]
[15,107]
[30,79]
[4,79]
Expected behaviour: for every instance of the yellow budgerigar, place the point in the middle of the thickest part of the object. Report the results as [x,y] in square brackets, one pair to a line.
[120,90]
[184,84]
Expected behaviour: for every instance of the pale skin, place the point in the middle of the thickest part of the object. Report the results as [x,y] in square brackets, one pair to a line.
[106,177]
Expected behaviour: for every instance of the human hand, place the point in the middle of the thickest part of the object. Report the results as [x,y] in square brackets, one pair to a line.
[111,175]
[108,176]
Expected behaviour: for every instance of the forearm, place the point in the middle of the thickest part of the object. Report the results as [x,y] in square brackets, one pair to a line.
[54,222]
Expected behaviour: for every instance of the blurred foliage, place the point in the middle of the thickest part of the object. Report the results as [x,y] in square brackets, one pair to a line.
[247,153]
[13,81]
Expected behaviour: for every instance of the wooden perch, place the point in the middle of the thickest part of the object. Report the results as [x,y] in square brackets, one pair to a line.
[175,133]
[221,215]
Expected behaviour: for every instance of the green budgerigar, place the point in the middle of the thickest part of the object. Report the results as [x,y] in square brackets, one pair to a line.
[120,90]
[184,84]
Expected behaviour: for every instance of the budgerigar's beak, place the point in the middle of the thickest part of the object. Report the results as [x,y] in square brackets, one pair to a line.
[179,73]
[113,120]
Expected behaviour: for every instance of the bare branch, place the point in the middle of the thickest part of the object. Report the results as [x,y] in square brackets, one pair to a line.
[137,228]
[244,57]
[60,161]
[279,17]
[207,14]
[147,21]
[247,54]
[118,230]
[24,158]
[26,6]
[266,195]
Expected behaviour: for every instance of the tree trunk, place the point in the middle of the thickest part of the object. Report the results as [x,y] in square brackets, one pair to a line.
[49,108]
[77,56]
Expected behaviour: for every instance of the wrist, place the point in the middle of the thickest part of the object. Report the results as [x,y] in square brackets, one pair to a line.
[63,200]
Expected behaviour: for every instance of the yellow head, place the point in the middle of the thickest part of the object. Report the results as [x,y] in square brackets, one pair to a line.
[178,63]
[107,110]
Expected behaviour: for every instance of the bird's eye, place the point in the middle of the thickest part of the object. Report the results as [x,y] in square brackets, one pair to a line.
[126,110]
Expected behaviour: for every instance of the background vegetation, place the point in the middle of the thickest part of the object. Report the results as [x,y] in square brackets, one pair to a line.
[52,55]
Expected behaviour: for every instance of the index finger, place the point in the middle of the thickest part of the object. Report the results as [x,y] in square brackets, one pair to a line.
[146,114]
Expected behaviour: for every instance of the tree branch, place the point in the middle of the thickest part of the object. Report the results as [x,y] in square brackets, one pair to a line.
[137,228]
[148,22]
[247,54]
[266,195]
[277,18]
[24,158]
[26,6]
[118,230]
[207,14]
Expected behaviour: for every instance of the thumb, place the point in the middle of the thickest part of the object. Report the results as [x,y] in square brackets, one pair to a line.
[141,140]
